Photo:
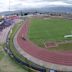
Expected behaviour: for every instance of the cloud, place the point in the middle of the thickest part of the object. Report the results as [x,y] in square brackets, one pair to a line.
[69,1]
[4,5]
[19,4]
[65,1]
[39,3]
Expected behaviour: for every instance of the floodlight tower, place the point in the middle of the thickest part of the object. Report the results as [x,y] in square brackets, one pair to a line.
[9,5]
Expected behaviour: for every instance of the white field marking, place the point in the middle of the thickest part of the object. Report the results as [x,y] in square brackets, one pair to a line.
[67,36]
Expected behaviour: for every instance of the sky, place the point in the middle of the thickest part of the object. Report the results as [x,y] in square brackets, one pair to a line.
[5,5]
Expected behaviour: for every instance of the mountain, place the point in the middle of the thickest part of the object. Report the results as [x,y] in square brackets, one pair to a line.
[7,12]
[41,10]
[56,9]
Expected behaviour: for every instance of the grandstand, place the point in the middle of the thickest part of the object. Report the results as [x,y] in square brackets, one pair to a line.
[6,22]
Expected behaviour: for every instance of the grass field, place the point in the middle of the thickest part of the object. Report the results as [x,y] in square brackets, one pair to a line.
[42,30]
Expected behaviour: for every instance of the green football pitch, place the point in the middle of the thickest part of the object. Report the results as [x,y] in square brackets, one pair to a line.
[53,29]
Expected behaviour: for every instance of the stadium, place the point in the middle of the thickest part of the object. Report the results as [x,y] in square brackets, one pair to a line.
[41,43]
[35,36]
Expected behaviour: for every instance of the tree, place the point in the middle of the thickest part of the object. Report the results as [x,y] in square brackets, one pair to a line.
[25,13]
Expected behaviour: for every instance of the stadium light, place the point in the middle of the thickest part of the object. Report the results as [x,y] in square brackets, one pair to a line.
[9,5]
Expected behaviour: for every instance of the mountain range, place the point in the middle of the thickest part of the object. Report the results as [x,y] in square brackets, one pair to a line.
[45,9]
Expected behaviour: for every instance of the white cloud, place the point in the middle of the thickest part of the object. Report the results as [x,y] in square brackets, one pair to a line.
[4,5]
[18,4]
[27,3]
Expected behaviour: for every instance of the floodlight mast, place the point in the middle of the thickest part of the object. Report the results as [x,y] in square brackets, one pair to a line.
[9,5]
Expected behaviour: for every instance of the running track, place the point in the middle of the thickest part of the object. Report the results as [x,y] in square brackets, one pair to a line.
[62,58]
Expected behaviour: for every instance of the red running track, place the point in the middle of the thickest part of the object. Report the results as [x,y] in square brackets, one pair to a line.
[42,53]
